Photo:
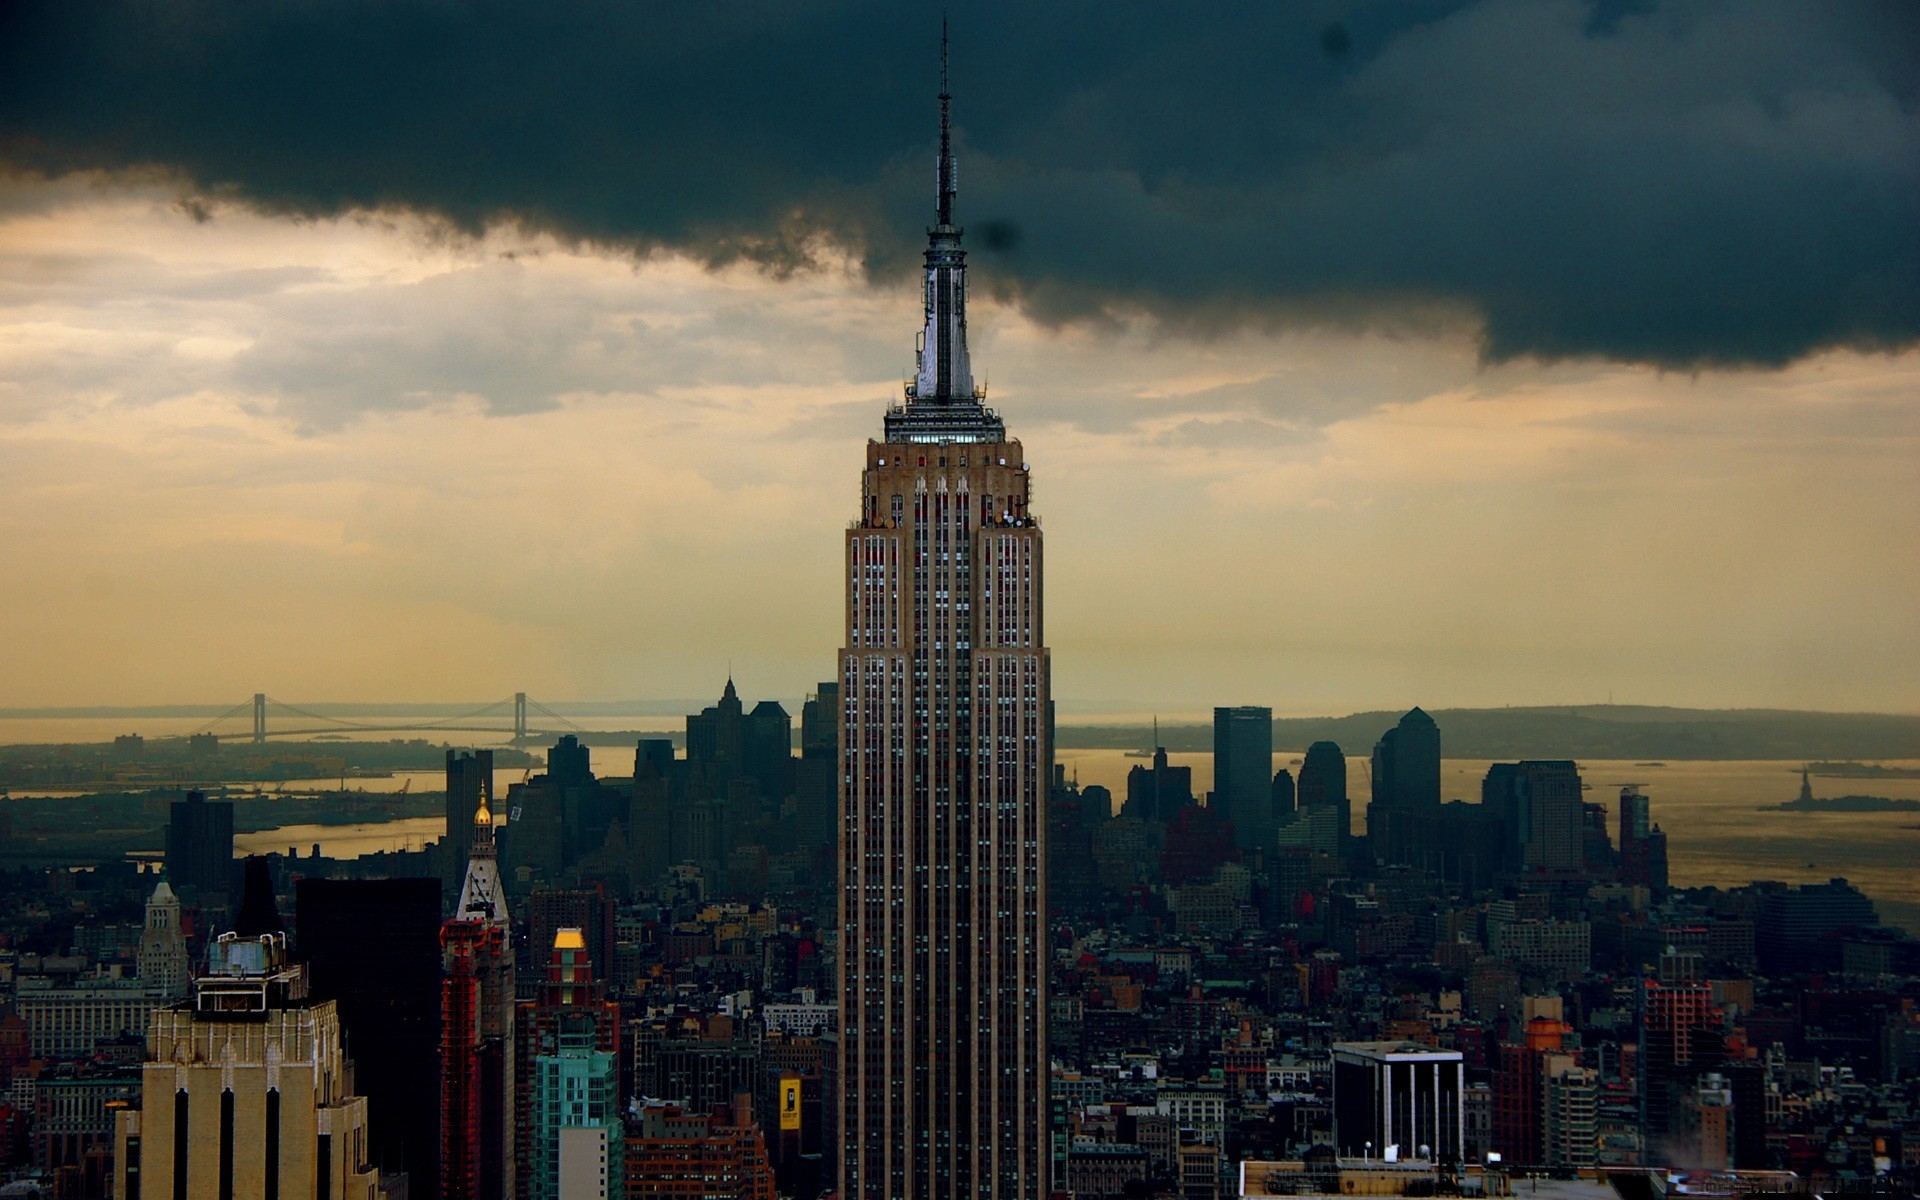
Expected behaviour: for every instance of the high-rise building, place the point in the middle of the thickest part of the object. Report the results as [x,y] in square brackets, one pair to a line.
[717,739]
[816,789]
[1281,795]
[1323,781]
[469,777]
[1520,1071]
[162,961]
[372,946]
[200,846]
[1643,845]
[1679,1035]
[246,1092]
[651,812]
[1159,792]
[1570,1117]
[944,684]
[1539,805]
[477,1031]
[1406,788]
[768,745]
[573,1135]
[1243,774]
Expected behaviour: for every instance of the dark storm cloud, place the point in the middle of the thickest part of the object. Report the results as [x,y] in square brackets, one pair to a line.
[1685,185]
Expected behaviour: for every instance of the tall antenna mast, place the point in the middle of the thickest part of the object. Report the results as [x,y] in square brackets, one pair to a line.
[948,184]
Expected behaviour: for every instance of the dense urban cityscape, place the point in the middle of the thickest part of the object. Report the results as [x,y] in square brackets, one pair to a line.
[640,972]
[895,947]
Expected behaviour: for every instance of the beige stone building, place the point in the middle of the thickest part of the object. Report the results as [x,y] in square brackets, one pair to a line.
[246,1090]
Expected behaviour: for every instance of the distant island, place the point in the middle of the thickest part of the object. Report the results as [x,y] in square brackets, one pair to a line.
[1857,770]
[1845,804]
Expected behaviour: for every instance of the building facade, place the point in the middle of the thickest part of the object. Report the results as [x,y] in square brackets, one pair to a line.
[1243,774]
[246,1092]
[575,1136]
[567,1118]
[1397,1101]
[163,963]
[372,946]
[943,749]
[477,1032]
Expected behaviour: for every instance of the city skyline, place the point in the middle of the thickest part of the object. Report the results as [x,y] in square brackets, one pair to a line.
[1445,363]
[512,449]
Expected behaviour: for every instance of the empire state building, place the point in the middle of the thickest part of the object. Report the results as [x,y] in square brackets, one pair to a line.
[943,740]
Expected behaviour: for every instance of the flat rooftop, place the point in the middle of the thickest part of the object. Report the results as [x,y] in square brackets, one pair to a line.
[1396,1051]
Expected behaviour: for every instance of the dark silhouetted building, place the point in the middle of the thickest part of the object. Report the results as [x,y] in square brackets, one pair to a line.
[1199,842]
[1243,775]
[1406,787]
[200,846]
[1281,794]
[816,791]
[1159,792]
[651,811]
[372,946]
[1323,781]
[717,740]
[469,777]
[1796,926]
[769,750]
[1643,845]
[1539,805]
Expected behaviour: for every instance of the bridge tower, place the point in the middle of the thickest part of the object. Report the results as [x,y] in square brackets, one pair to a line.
[519,716]
[259,717]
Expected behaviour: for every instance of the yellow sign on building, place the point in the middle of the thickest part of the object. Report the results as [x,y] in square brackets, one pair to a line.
[789,1103]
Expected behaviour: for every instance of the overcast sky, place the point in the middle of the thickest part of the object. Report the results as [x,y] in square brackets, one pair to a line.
[1366,354]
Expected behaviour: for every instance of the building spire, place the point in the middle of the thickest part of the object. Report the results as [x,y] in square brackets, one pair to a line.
[481,898]
[948,182]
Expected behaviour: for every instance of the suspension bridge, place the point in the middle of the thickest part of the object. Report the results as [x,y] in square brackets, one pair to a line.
[507,717]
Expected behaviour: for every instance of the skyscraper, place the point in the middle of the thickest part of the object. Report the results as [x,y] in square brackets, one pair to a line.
[1323,781]
[1406,787]
[200,846]
[1643,845]
[570,1129]
[469,776]
[819,766]
[1539,807]
[944,690]
[246,1091]
[1159,792]
[372,946]
[476,1031]
[1243,774]
[163,962]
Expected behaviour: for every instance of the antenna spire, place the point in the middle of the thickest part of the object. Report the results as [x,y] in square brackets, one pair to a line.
[948,183]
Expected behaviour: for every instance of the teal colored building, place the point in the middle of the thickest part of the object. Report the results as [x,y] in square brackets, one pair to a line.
[578,1136]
